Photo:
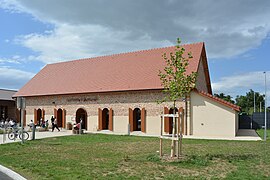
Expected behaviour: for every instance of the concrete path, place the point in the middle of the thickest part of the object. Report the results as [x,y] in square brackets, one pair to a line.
[39,135]
[242,135]
[248,134]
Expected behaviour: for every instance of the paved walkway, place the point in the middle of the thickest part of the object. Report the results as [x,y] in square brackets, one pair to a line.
[242,135]
[39,135]
[248,134]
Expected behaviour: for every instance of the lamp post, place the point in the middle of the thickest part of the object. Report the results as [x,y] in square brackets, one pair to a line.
[254,109]
[254,104]
[265,105]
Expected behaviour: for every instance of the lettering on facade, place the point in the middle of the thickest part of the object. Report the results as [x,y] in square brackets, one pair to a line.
[86,99]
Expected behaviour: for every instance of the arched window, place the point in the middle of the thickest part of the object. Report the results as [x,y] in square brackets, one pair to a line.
[39,116]
[60,117]
[105,119]
[137,119]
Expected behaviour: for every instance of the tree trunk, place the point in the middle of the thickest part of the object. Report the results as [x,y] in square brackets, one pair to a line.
[173,133]
[181,130]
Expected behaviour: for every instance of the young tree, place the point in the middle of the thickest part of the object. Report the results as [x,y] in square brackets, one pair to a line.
[176,82]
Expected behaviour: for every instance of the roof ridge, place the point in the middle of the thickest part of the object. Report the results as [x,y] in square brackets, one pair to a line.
[125,53]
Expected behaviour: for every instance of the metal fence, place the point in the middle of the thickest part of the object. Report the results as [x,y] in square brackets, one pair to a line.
[254,121]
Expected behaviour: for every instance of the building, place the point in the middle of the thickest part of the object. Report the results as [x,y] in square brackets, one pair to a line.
[111,93]
[7,104]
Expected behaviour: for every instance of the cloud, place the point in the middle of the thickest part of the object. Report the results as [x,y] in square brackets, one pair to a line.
[67,42]
[13,78]
[98,27]
[13,60]
[238,83]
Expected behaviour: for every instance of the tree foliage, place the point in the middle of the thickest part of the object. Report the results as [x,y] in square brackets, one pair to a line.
[247,102]
[176,82]
[227,98]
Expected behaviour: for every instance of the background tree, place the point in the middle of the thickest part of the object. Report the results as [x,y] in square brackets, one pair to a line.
[177,84]
[247,102]
[227,98]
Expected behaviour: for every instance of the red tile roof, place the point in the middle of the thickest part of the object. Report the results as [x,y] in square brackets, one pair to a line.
[120,72]
[221,101]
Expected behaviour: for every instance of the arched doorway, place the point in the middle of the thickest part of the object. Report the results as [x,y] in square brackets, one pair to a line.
[137,119]
[105,119]
[60,117]
[39,116]
[81,114]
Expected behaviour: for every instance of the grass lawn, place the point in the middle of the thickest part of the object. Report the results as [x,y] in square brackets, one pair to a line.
[120,157]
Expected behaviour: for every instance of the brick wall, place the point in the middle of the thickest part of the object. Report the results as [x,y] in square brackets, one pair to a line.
[120,102]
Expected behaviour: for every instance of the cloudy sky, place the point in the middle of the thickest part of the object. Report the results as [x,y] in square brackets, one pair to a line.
[37,32]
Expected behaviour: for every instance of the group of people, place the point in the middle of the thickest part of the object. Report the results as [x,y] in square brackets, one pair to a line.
[8,123]
[45,124]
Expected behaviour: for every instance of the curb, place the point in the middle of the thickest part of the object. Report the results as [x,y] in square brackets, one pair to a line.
[11,173]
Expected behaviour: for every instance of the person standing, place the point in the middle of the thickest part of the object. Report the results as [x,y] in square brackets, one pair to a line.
[47,124]
[55,125]
[52,121]
[40,122]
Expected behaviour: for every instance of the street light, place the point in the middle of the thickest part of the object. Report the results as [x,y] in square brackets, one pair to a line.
[265,105]
[254,103]
[254,109]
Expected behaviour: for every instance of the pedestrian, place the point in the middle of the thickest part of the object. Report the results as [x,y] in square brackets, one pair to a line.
[52,121]
[31,124]
[54,124]
[77,126]
[47,124]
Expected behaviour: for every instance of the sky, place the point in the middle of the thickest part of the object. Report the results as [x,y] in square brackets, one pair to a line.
[34,33]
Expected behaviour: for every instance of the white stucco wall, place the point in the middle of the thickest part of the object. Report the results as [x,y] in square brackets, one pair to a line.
[120,102]
[92,123]
[153,125]
[120,124]
[212,119]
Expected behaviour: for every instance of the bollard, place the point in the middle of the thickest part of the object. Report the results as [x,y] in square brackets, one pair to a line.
[33,131]
[4,135]
[128,129]
[80,129]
